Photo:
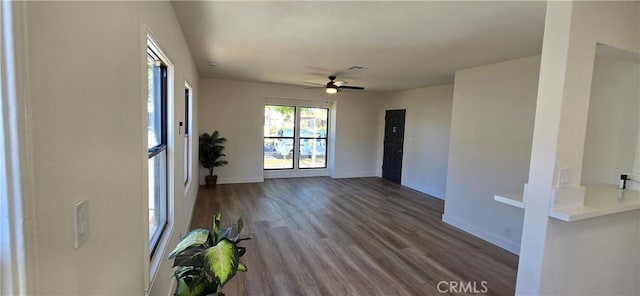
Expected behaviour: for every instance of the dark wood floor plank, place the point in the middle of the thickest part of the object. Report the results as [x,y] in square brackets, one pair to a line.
[360,236]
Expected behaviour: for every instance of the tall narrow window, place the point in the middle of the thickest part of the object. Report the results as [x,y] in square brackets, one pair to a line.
[313,137]
[279,136]
[157,146]
[187,134]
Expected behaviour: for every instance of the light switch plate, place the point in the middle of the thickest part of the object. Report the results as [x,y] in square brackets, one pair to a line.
[563,177]
[81,221]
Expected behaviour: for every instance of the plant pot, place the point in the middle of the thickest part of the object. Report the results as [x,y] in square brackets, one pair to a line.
[211,181]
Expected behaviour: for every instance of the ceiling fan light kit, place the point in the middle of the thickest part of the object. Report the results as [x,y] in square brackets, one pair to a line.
[333,87]
[331,90]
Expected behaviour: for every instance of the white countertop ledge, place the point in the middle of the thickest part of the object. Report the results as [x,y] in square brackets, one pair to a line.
[515,199]
[599,200]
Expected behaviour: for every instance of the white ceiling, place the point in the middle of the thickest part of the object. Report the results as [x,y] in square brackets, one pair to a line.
[403,45]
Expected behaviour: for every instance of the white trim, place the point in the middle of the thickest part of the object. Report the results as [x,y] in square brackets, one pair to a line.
[189,160]
[322,103]
[272,174]
[151,266]
[241,180]
[490,237]
[144,158]
[438,195]
[354,175]
[18,263]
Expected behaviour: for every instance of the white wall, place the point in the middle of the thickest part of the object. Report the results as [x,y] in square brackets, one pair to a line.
[612,123]
[426,140]
[88,140]
[599,256]
[236,110]
[489,151]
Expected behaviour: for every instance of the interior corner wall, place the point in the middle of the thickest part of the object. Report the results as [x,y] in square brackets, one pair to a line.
[610,145]
[426,140]
[236,110]
[87,134]
[490,148]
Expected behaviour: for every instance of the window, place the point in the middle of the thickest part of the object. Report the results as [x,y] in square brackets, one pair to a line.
[157,145]
[187,134]
[313,138]
[279,131]
[295,137]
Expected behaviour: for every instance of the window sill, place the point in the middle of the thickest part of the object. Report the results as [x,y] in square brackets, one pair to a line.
[294,173]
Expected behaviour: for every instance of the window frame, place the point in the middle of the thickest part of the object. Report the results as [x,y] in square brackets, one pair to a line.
[296,170]
[162,146]
[326,138]
[188,135]
[293,138]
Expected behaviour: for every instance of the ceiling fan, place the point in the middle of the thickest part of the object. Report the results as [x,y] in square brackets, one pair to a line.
[333,86]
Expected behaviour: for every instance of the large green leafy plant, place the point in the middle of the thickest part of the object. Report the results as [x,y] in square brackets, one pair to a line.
[208,259]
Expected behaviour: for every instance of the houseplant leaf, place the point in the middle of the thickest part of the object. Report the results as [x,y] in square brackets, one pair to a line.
[242,267]
[224,233]
[221,261]
[192,256]
[184,289]
[190,281]
[197,237]
[240,225]
[216,226]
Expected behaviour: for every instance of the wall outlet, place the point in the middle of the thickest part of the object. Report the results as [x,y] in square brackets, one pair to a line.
[563,177]
[81,219]
[507,231]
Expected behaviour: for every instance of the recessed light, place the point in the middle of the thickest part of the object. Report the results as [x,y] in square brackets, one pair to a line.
[212,64]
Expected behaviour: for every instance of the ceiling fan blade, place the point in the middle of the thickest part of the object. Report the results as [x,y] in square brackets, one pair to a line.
[314,83]
[310,87]
[351,87]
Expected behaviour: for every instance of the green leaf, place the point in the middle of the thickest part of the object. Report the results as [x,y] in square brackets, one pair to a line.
[221,261]
[224,233]
[216,225]
[197,237]
[242,267]
[191,281]
[192,256]
[240,225]
[241,251]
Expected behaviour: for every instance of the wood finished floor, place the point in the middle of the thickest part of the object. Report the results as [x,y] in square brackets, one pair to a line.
[361,236]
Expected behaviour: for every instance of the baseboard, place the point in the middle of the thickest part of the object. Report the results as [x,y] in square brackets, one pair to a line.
[241,180]
[354,175]
[494,239]
[296,173]
[439,195]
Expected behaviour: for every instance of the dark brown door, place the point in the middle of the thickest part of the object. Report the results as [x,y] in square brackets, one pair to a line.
[393,143]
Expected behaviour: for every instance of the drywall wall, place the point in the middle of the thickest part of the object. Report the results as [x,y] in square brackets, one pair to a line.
[489,151]
[236,110]
[88,134]
[612,123]
[426,140]
[599,256]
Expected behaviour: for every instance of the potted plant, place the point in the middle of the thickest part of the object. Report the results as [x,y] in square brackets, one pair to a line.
[208,259]
[211,147]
